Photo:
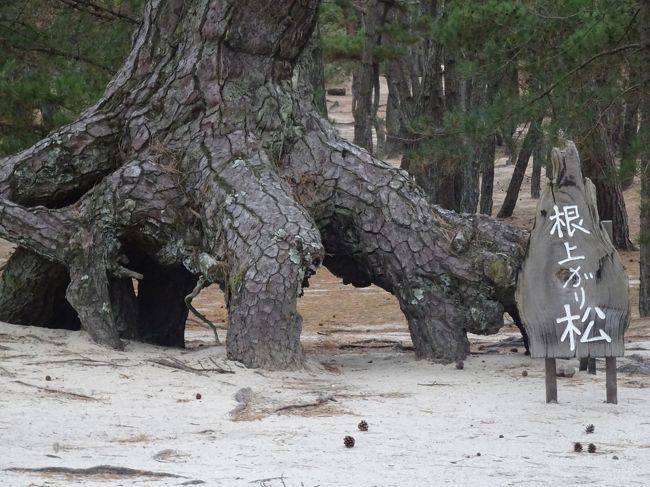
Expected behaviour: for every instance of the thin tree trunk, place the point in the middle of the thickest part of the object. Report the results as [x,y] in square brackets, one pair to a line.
[530,141]
[363,105]
[536,177]
[488,150]
[378,124]
[629,146]
[452,83]
[470,183]
[599,166]
[644,173]
[510,86]
[393,145]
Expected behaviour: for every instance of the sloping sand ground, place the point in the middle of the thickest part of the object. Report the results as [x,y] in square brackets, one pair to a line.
[429,424]
[137,413]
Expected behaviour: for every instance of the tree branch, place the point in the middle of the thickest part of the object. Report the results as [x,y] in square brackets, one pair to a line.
[584,64]
[98,11]
[67,55]
[200,284]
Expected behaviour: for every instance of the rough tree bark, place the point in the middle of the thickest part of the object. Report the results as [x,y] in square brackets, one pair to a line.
[510,87]
[644,160]
[629,147]
[483,155]
[203,161]
[536,176]
[487,155]
[598,164]
[311,71]
[362,103]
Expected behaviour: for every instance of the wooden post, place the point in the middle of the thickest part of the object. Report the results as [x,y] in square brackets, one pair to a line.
[588,364]
[610,380]
[591,366]
[551,381]
[610,362]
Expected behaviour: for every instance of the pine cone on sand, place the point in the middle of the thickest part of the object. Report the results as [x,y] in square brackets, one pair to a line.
[348,441]
[363,426]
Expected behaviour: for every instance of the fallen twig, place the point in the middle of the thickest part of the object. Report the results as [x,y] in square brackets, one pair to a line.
[174,363]
[343,330]
[200,284]
[71,395]
[370,343]
[20,355]
[263,482]
[97,471]
[320,400]
[83,361]
[432,384]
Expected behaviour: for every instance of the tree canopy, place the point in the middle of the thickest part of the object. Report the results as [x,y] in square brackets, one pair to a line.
[56,57]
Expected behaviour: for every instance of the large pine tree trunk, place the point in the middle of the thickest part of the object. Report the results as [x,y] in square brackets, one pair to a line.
[203,161]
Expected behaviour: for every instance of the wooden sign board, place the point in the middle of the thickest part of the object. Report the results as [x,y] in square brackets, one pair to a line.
[572,291]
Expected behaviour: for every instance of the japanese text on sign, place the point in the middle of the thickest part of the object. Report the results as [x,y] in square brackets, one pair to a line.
[566,222]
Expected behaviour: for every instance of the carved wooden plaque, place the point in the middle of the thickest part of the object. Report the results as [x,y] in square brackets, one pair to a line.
[572,291]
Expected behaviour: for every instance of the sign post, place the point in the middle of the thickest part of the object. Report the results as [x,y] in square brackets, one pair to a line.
[610,362]
[572,291]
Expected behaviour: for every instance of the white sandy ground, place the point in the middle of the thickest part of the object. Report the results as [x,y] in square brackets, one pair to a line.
[427,423]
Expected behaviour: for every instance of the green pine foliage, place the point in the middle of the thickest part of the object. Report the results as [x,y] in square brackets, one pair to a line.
[341,37]
[56,58]
[576,59]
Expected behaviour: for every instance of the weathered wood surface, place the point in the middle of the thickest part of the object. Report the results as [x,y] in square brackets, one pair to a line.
[569,252]
[610,380]
[550,380]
